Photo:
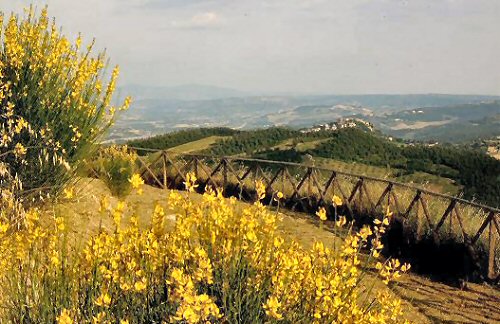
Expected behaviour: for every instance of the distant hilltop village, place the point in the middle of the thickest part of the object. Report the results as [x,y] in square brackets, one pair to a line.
[493,147]
[340,124]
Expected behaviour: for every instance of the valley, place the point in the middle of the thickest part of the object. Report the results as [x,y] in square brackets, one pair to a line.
[442,118]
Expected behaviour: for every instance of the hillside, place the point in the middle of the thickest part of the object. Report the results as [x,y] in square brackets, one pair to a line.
[175,139]
[455,123]
[447,169]
[425,301]
[476,172]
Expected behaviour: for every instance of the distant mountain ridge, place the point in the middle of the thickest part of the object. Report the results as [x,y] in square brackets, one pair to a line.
[188,92]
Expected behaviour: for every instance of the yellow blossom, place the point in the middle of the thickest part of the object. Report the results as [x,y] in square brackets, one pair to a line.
[19,150]
[3,228]
[260,189]
[321,213]
[64,317]
[136,182]
[99,318]
[69,193]
[190,182]
[341,221]
[388,212]
[140,285]
[337,201]
[279,196]
[104,300]
[60,223]
[271,308]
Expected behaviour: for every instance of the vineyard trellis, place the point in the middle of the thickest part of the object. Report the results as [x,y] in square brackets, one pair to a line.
[306,188]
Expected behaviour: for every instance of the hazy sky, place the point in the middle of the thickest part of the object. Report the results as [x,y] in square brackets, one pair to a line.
[318,46]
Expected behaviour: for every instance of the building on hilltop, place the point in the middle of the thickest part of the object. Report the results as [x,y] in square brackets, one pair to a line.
[341,123]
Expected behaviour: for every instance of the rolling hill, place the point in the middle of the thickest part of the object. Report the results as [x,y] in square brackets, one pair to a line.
[158,110]
[456,123]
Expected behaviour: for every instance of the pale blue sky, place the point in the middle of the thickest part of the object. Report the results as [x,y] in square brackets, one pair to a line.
[298,46]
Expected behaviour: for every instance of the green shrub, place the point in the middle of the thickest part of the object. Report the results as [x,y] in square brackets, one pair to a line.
[115,166]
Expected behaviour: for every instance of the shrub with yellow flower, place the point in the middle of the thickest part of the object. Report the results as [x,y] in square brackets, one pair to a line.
[219,263]
[321,213]
[53,106]
[136,181]
[115,165]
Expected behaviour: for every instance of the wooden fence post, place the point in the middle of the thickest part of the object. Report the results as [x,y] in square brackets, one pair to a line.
[309,180]
[361,183]
[224,172]
[164,170]
[491,253]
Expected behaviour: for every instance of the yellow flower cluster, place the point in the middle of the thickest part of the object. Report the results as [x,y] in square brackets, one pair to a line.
[115,165]
[220,262]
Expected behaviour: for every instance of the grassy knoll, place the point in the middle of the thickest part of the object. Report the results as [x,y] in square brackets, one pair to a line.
[354,167]
[198,145]
[426,301]
[431,182]
[302,145]
[170,140]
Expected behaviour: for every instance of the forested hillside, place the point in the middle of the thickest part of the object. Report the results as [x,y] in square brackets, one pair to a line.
[472,170]
[478,173]
[252,141]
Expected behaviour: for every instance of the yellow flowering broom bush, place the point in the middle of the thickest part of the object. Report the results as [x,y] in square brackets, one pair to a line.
[115,165]
[54,100]
[220,263]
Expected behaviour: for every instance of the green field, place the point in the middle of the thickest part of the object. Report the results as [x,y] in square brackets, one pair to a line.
[301,146]
[422,179]
[196,146]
